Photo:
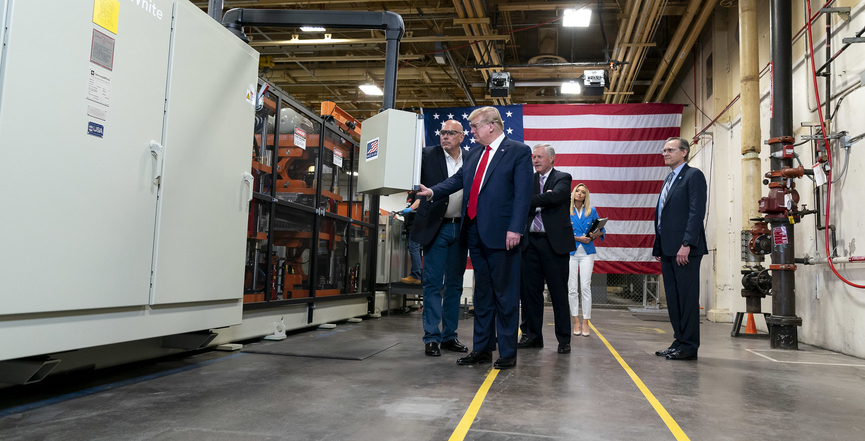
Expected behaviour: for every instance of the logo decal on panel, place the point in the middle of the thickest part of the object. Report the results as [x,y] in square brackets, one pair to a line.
[372,149]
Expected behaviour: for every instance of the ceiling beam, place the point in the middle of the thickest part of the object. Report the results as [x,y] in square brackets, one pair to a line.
[468,21]
[429,39]
[342,58]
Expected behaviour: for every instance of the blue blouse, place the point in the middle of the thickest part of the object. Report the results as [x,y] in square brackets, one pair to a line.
[580,225]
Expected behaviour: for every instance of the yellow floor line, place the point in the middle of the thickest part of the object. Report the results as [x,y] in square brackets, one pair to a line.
[671,423]
[466,423]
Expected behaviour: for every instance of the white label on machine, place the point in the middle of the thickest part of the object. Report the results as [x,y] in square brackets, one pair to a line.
[300,138]
[780,235]
[819,175]
[102,50]
[337,157]
[96,112]
[98,87]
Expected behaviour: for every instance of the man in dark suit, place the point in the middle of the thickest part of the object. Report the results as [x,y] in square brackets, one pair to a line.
[680,243]
[437,229]
[551,240]
[497,189]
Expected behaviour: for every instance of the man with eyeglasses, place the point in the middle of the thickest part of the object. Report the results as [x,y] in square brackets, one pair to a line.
[497,190]
[680,243]
[437,229]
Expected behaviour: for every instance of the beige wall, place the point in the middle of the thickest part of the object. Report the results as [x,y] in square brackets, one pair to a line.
[833,313]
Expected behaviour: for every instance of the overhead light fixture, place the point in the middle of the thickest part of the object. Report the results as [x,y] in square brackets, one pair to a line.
[371,89]
[312,29]
[439,53]
[577,18]
[571,87]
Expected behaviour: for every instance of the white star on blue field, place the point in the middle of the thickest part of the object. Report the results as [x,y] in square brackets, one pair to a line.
[512,117]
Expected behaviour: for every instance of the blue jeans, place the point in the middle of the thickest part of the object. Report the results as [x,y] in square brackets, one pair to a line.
[444,266]
[414,254]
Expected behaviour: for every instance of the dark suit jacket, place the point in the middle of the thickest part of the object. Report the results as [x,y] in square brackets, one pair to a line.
[504,198]
[434,169]
[682,218]
[555,210]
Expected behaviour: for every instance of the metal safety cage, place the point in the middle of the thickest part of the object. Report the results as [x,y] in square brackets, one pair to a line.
[311,237]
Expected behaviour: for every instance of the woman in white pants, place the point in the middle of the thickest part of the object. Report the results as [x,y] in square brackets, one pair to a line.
[583,259]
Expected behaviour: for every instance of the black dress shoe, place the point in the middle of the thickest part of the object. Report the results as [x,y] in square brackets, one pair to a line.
[475,357]
[564,349]
[680,355]
[526,343]
[455,346]
[432,349]
[665,352]
[505,363]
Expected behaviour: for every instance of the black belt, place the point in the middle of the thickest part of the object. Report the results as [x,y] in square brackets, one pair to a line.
[537,233]
[451,220]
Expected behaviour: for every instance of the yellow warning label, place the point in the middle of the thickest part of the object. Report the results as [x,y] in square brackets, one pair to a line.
[106,13]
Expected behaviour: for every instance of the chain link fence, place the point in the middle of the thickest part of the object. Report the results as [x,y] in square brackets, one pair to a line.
[619,291]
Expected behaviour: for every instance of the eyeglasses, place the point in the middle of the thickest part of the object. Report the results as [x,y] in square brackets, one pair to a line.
[666,151]
[479,124]
[449,132]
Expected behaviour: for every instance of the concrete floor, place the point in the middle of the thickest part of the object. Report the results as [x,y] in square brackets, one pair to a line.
[738,390]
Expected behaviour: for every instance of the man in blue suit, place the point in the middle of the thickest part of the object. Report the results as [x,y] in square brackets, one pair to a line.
[680,243]
[437,229]
[497,190]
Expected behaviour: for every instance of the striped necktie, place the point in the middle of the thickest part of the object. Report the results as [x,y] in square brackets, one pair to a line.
[537,222]
[667,183]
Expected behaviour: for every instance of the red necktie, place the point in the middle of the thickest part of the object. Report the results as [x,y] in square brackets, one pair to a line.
[476,184]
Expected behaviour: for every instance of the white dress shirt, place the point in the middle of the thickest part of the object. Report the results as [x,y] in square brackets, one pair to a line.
[494,148]
[455,200]
[538,209]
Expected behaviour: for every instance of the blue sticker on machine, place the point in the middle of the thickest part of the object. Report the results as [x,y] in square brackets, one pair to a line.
[95,129]
[372,150]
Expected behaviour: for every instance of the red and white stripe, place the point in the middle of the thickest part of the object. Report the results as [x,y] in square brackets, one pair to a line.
[615,150]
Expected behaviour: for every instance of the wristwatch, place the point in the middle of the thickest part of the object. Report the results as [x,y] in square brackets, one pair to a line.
[686,244]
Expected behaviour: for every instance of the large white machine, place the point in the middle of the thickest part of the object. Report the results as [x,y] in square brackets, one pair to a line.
[124,150]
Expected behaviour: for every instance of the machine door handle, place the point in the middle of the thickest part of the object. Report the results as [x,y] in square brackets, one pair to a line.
[158,153]
[248,179]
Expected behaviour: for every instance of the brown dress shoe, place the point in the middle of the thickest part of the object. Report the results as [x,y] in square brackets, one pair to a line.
[410,280]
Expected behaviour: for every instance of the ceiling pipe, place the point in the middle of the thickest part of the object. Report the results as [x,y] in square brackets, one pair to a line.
[641,49]
[634,48]
[693,6]
[686,47]
[619,50]
[506,66]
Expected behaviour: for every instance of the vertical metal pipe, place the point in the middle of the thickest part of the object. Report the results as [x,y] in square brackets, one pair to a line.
[828,72]
[390,69]
[783,322]
[749,51]
[214,9]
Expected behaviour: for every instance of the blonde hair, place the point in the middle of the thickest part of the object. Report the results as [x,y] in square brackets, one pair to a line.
[587,205]
[490,115]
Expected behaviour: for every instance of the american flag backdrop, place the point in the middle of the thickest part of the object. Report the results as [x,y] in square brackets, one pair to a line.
[614,149]
[512,117]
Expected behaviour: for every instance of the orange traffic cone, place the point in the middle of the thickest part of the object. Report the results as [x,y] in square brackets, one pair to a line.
[751,327]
